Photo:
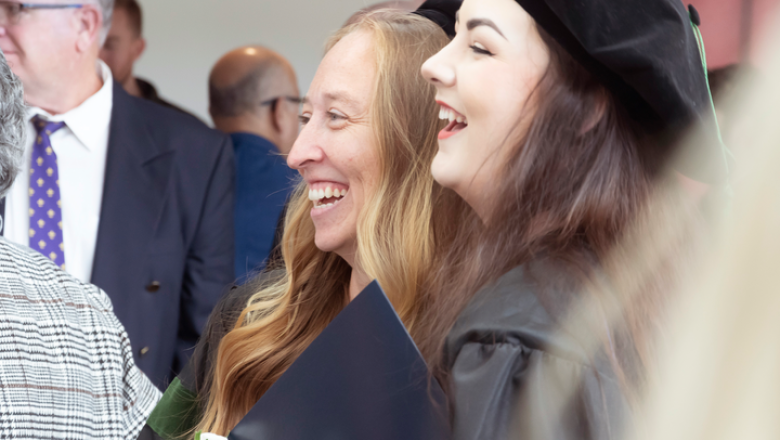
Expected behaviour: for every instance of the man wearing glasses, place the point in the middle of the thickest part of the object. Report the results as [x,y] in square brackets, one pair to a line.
[121,192]
[253,95]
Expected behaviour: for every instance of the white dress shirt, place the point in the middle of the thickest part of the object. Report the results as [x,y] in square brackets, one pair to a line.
[81,147]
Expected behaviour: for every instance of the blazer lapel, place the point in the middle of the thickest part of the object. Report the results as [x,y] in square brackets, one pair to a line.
[138,170]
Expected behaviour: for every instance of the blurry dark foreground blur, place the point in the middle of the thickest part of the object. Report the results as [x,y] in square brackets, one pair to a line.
[716,372]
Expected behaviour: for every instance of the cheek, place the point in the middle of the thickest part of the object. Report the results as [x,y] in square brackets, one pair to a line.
[495,98]
[358,157]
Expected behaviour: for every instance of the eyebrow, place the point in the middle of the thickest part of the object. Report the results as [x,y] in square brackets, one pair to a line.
[477,22]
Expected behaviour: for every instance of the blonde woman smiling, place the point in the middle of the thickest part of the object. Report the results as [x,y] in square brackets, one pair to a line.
[365,210]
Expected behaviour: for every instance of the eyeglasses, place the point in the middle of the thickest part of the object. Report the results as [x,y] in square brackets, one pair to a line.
[274,102]
[11,12]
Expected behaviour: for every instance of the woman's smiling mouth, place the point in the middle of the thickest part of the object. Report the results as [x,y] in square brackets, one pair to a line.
[324,195]
[458,122]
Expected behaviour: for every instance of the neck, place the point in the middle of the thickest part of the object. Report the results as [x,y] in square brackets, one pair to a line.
[240,124]
[357,282]
[73,90]
[131,86]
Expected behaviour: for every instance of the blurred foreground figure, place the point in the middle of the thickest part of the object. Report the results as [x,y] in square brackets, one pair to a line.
[253,96]
[124,193]
[724,84]
[720,373]
[66,367]
[124,46]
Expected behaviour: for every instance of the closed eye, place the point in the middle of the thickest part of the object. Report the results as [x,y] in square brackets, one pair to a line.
[477,48]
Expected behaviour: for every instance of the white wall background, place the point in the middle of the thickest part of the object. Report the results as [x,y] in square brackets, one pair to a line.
[186,37]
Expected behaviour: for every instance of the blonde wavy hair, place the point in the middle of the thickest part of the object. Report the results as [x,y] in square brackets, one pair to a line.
[397,231]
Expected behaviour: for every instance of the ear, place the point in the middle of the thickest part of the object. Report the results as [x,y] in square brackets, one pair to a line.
[89,22]
[277,117]
[139,46]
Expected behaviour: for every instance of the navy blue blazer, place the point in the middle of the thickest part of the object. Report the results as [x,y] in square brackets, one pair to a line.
[165,246]
[263,184]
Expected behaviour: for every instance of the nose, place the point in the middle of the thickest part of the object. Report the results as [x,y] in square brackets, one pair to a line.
[306,150]
[438,69]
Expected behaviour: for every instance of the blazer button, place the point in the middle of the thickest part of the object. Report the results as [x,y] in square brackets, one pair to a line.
[144,351]
[153,287]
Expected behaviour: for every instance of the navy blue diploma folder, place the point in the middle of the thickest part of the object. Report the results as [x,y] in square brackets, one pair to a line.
[361,379]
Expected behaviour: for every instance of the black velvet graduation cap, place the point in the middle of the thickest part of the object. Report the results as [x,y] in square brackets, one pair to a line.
[648,52]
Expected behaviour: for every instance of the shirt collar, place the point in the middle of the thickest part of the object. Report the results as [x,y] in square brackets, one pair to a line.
[90,121]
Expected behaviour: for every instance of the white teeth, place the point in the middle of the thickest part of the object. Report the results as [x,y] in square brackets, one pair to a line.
[316,195]
[450,115]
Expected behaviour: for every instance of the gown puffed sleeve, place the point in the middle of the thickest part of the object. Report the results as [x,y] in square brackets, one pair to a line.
[514,374]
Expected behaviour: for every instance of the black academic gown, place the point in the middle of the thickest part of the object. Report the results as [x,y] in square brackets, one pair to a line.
[511,359]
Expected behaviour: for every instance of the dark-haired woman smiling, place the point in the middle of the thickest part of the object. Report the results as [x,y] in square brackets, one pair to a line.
[561,118]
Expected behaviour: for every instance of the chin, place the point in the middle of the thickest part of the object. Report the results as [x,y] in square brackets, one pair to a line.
[323,244]
[443,173]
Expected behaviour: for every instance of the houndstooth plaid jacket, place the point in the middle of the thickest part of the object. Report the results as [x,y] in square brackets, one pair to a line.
[66,367]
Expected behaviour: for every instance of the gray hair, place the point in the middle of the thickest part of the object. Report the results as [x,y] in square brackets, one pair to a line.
[13,125]
[107,9]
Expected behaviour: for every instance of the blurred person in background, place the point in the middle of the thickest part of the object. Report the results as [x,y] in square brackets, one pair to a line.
[124,193]
[254,97]
[557,133]
[124,46]
[66,365]
[367,209]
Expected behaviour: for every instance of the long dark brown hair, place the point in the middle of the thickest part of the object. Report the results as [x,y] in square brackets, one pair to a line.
[572,187]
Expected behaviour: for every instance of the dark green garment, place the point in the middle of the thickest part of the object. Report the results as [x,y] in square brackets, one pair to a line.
[511,359]
[176,413]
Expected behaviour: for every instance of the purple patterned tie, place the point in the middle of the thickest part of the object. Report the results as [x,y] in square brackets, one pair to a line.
[45,204]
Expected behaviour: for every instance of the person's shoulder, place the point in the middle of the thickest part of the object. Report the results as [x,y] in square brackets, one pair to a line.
[509,303]
[42,282]
[523,307]
[168,123]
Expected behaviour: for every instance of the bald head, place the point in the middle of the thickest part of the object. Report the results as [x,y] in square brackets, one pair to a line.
[245,77]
